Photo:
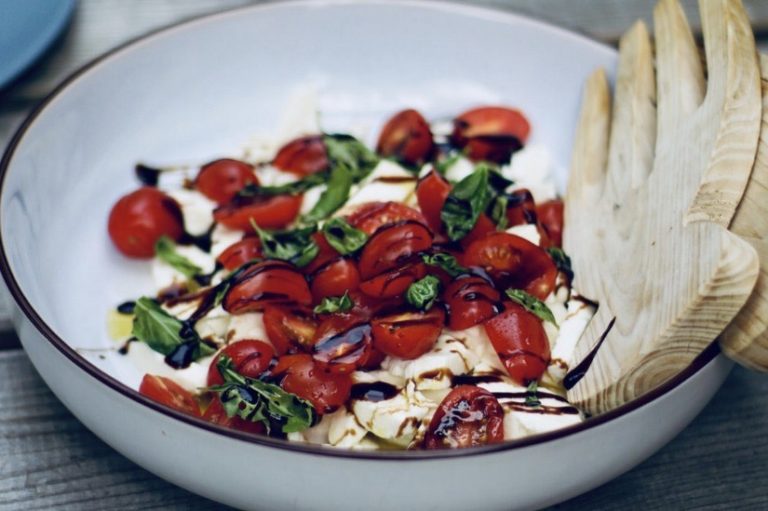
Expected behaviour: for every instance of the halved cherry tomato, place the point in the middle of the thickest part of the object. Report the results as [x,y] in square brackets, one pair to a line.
[368,306]
[431,193]
[551,217]
[521,209]
[343,342]
[249,357]
[370,216]
[268,282]
[220,180]
[469,416]
[289,328]
[215,413]
[490,133]
[374,360]
[334,279]
[239,253]
[392,247]
[470,300]
[268,212]
[519,338]
[314,382]
[408,335]
[325,254]
[169,393]
[513,261]
[393,283]
[407,138]
[140,218]
[302,156]
[483,226]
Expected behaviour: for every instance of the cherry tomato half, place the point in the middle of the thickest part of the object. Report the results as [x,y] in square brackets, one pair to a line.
[302,156]
[408,335]
[289,328]
[370,216]
[169,393]
[519,338]
[325,254]
[239,253]
[141,218]
[314,382]
[215,413]
[470,300]
[521,209]
[393,283]
[249,357]
[483,226]
[393,246]
[490,133]
[343,342]
[550,215]
[334,279]
[268,212]
[268,282]
[220,180]
[406,137]
[431,193]
[469,416]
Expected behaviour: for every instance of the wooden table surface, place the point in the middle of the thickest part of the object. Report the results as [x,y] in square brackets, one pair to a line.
[48,460]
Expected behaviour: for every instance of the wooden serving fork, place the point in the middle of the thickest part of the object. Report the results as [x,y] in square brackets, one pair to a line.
[652,191]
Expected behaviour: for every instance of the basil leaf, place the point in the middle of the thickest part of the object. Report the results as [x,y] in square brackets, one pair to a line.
[331,304]
[347,151]
[467,200]
[423,293]
[165,250]
[334,196]
[163,332]
[443,165]
[259,401]
[445,261]
[532,397]
[532,304]
[497,181]
[343,237]
[499,212]
[295,246]
[292,188]
[562,261]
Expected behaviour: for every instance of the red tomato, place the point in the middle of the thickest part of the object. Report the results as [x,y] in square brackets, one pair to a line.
[408,335]
[303,156]
[393,283]
[406,137]
[470,300]
[469,416]
[519,338]
[289,328]
[367,306]
[239,253]
[370,216]
[220,180]
[343,342]
[550,215]
[521,209]
[268,212]
[483,226]
[268,282]
[514,262]
[490,133]
[249,357]
[141,218]
[431,194]
[215,413]
[325,254]
[334,279]
[314,382]
[392,247]
[169,393]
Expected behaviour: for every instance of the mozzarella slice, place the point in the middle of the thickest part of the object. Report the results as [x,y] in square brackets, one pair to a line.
[165,275]
[395,420]
[388,181]
[222,238]
[196,209]
[531,168]
[248,325]
[528,232]
[345,430]
[578,315]
[460,169]
[192,378]
[214,325]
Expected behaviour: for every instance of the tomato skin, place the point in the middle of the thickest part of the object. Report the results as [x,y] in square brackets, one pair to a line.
[518,336]
[141,218]
[289,328]
[369,217]
[343,342]
[265,283]
[490,133]
[408,335]
[392,246]
[431,193]
[169,393]
[313,381]
[551,215]
[239,253]
[515,262]
[220,180]
[325,254]
[215,413]
[407,138]
[268,212]
[334,279]
[468,416]
[393,283]
[249,357]
[521,209]
[483,226]
[302,156]
[470,300]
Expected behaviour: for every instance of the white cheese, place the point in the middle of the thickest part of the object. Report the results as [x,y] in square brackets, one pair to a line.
[477,342]
[248,325]
[395,420]
[527,231]
[196,209]
[214,325]
[272,176]
[345,430]
[578,315]
[222,238]
[311,197]
[375,188]
[192,378]
[460,169]
[165,275]
[531,168]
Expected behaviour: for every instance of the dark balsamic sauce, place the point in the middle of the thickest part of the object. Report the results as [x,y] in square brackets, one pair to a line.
[466,379]
[123,350]
[183,355]
[201,241]
[126,307]
[578,372]
[375,392]
[148,176]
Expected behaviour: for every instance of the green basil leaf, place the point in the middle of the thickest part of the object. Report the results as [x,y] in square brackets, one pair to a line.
[467,200]
[562,261]
[532,304]
[295,246]
[165,250]
[423,293]
[347,151]
[532,396]
[331,304]
[442,166]
[445,261]
[344,238]
[292,188]
[334,196]
[499,212]
[163,332]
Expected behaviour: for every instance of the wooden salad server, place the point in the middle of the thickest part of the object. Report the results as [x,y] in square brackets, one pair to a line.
[652,191]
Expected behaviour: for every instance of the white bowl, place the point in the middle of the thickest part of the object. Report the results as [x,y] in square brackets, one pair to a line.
[197,91]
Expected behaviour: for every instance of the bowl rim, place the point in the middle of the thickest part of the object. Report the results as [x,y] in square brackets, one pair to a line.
[112,383]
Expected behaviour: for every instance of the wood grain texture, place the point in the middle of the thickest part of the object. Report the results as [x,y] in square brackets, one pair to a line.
[669,284]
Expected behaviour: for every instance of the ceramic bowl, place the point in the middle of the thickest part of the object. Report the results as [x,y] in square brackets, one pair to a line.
[199,90]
